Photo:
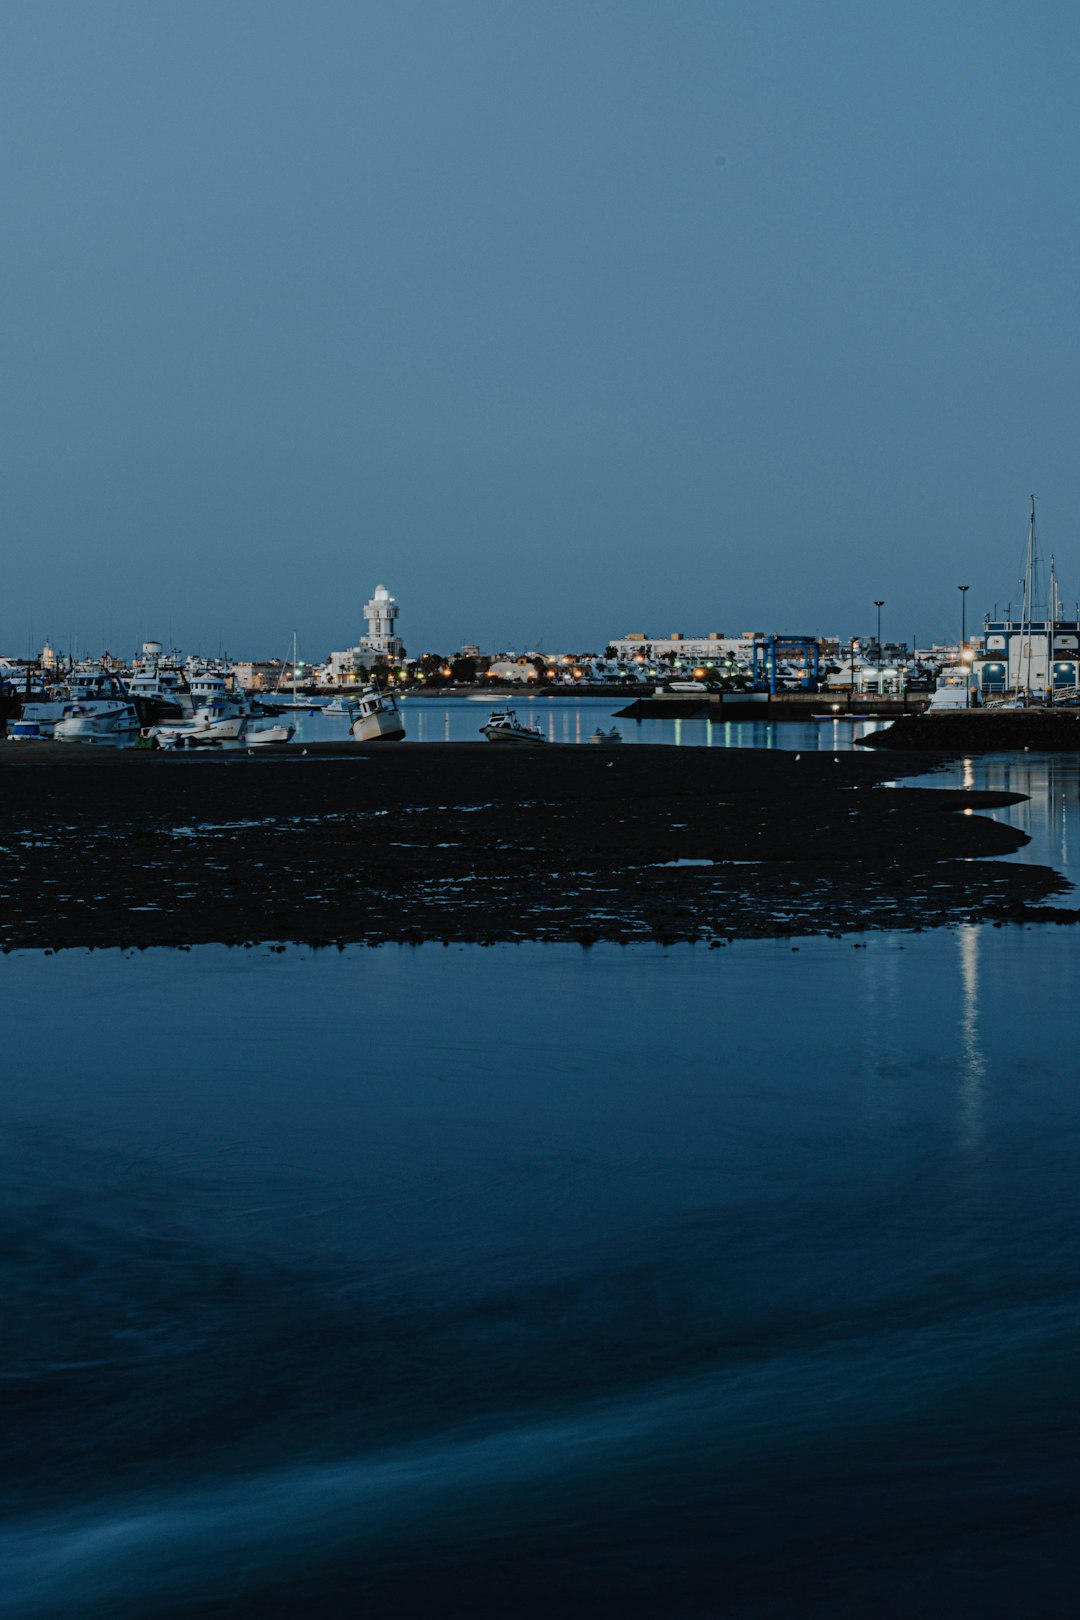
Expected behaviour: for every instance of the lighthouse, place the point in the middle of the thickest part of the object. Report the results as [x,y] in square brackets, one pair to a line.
[381,613]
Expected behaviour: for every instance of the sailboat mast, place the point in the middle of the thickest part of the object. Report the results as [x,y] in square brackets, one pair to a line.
[1051,621]
[1029,588]
[294,666]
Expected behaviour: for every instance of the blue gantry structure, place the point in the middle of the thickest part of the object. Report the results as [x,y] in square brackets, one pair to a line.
[789,656]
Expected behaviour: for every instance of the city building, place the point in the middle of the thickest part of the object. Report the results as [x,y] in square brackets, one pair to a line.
[261,677]
[639,646]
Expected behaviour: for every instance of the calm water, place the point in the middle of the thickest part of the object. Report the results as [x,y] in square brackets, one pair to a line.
[573,720]
[536,1281]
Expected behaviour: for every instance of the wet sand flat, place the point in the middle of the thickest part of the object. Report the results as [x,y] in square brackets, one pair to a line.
[470,842]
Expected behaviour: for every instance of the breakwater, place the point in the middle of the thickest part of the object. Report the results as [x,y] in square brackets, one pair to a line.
[768,705]
[979,731]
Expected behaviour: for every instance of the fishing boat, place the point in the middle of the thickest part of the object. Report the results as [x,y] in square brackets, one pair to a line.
[114,720]
[606,738]
[157,693]
[88,690]
[374,717]
[505,727]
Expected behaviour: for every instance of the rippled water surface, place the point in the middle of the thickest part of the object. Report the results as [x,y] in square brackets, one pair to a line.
[536,1280]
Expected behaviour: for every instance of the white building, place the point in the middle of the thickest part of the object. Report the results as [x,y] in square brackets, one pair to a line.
[381,614]
[715,646]
[380,645]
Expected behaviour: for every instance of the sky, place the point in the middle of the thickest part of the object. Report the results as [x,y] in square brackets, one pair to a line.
[561,318]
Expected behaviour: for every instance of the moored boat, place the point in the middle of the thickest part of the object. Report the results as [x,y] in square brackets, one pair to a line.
[113,721]
[213,723]
[953,690]
[505,727]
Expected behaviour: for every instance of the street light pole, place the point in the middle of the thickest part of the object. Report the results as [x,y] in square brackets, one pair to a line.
[879,605]
[963,589]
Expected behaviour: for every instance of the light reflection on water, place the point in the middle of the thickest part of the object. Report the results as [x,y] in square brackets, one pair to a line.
[574,720]
[668,1281]
[1050,812]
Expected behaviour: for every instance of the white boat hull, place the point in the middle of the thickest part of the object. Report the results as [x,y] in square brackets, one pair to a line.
[499,734]
[382,726]
[198,736]
[97,727]
[270,734]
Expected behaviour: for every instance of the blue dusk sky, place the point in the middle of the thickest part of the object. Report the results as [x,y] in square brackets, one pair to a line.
[562,319]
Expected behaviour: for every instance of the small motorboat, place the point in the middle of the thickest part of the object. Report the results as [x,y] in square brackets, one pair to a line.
[606,738]
[269,734]
[505,727]
[374,717]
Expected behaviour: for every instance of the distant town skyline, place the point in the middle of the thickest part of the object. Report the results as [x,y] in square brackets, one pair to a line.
[563,321]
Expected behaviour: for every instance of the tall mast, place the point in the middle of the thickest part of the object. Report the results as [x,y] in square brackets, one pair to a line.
[1051,618]
[1029,588]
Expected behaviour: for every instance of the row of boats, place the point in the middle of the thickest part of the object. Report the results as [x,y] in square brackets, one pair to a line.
[162,708]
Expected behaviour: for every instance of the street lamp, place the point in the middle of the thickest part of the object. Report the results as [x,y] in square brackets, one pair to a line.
[963,589]
[879,605]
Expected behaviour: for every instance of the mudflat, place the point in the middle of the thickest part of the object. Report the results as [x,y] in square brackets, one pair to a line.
[470,842]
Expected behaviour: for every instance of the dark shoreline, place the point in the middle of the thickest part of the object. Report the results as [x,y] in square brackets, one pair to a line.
[981,731]
[465,842]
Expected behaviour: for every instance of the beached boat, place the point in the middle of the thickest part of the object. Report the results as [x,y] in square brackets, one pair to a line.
[605,738]
[268,734]
[505,727]
[374,717]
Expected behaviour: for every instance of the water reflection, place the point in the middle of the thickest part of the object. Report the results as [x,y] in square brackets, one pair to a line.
[679,1304]
[1049,813]
[573,720]
[973,1062]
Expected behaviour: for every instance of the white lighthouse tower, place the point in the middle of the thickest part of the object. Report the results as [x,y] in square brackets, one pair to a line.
[381,613]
